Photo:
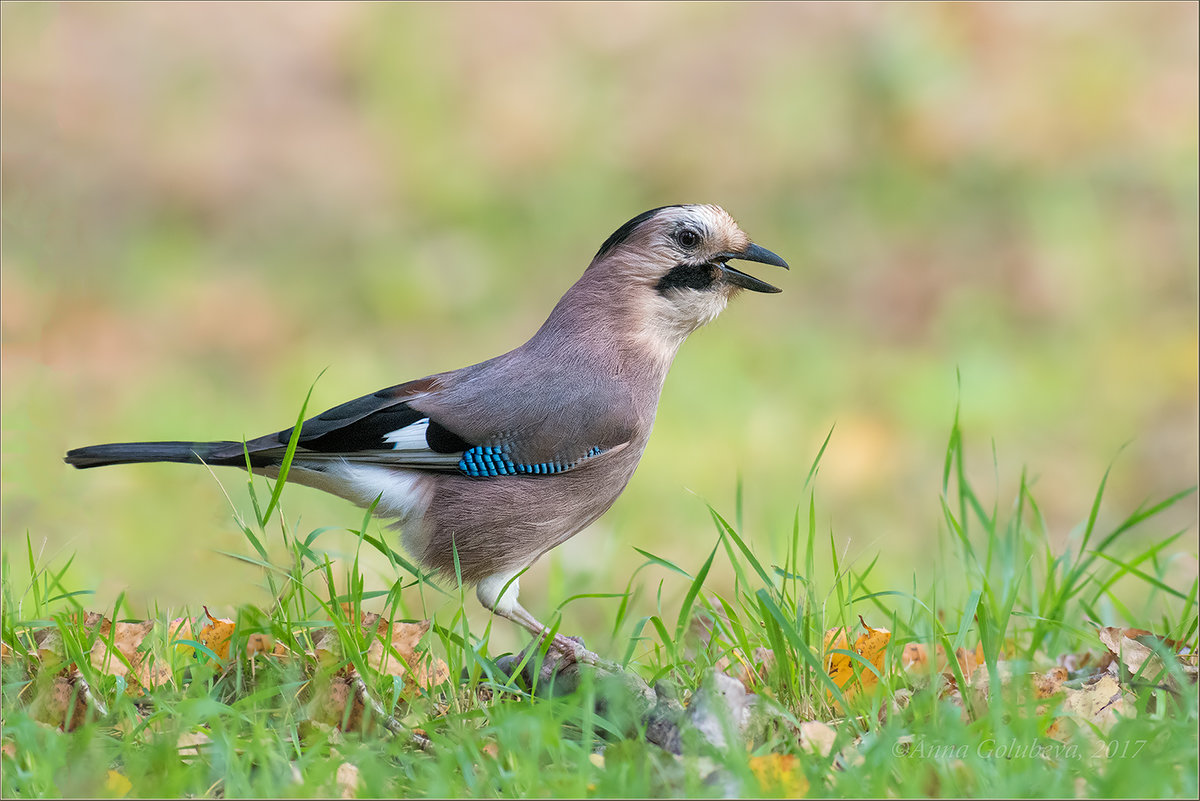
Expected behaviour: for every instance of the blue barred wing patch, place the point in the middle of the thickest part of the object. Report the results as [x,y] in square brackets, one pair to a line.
[485,461]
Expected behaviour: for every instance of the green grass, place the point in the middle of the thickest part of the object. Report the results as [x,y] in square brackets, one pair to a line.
[995,578]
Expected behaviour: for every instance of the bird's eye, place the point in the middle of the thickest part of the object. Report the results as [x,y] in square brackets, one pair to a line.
[688,238]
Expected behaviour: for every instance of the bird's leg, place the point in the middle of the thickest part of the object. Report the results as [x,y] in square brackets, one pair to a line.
[492,593]
[570,649]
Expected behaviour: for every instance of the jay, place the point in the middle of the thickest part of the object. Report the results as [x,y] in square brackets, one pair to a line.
[503,460]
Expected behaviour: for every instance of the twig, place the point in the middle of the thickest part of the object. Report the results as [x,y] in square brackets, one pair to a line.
[88,696]
[389,722]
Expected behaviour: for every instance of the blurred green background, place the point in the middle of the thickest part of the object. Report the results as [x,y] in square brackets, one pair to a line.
[205,205]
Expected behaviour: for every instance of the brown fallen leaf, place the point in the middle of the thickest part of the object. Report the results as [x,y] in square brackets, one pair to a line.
[752,671]
[90,619]
[980,679]
[190,744]
[152,672]
[429,672]
[61,702]
[1136,650]
[1050,683]
[1097,705]
[327,647]
[400,657]
[117,640]
[817,737]
[259,643]
[334,703]
[50,649]
[915,659]
[347,780]
[402,639]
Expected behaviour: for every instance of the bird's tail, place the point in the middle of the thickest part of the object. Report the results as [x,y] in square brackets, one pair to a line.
[220,453]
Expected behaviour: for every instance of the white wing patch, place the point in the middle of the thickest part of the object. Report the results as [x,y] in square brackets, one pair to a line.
[409,438]
[410,446]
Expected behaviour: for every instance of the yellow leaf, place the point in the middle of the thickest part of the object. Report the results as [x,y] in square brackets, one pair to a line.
[779,774]
[870,645]
[215,636]
[117,784]
[180,629]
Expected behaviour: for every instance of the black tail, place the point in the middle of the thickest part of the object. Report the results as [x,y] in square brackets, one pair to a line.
[217,453]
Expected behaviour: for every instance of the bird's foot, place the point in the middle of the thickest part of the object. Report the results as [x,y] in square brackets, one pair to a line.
[571,650]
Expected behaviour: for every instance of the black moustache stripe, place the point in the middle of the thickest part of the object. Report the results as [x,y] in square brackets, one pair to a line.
[688,276]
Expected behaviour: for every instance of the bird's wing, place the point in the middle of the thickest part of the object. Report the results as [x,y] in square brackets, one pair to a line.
[463,422]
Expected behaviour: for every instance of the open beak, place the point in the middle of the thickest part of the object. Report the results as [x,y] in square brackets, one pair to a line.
[739,278]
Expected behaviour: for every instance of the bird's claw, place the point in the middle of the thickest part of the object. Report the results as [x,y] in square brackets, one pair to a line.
[571,650]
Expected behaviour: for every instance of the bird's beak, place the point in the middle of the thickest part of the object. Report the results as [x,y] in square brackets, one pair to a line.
[750,253]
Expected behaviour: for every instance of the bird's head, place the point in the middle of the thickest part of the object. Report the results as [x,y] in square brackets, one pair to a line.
[672,264]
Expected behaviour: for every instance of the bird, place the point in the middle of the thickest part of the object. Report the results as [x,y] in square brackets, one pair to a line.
[488,467]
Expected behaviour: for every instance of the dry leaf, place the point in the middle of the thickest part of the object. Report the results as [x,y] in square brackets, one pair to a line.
[870,645]
[750,671]
[402,658]
[915,659]
[347,780]
[817,737]
[126,640]
[1099,702]
[779,774]
[258,643]
[403,639]
[180,629]
[190,742]
[50,649]
[60,704]
[327,648]
[335,704]
[1134,647]
[981,678]
[117,784]
[1050,683]
[429,672]
[90,619]
[216,635]
[152,673]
